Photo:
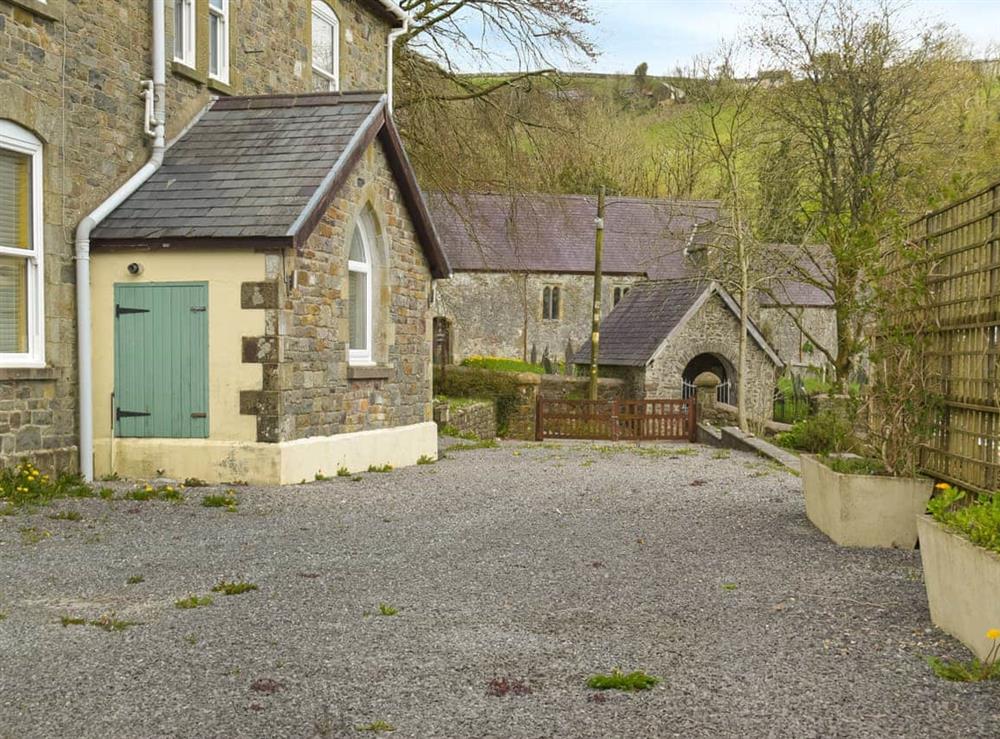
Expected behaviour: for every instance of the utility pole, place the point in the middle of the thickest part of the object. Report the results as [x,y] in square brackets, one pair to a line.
[595,332]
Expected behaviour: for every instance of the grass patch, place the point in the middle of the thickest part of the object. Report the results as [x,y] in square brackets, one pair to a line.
[385,609]
[148,492]
[31,535]
[70,621]
[225,500]
[380,468]
[618,680]
[730,586]
[500,364]
[854,465]
[469,446]
[66,516]
[343,472]
[8,510]
[320,477]
[721,454]
[452,432]
[357,478]
[106,622]
[106,493]
[135,580]
[25,485]
[193,601]
[234,588]
[426,459]
[377,726]
[972,671]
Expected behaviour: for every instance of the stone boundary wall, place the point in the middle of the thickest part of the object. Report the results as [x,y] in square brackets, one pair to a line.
[478,419]
[560,387]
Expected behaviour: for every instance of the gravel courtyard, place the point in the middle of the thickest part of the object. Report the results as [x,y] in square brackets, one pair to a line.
[538,564]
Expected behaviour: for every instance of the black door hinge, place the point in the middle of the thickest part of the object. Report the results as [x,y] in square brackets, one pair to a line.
[120,311]
[199,309]
[120,414]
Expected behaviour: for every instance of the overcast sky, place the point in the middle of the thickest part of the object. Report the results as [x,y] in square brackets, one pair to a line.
[668,33]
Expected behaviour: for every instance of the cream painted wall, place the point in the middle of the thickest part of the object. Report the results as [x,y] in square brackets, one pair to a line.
[225,271]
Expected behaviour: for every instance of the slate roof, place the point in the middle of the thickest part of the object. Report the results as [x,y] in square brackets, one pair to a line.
[263,170]
[633,331]
[486,232]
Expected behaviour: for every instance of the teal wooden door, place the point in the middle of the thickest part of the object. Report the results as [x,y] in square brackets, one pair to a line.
[161,360]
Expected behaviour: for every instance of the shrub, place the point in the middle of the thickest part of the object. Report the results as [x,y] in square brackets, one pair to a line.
[499,364]
[978,520]
[824,433]
[855,465]
[500,387]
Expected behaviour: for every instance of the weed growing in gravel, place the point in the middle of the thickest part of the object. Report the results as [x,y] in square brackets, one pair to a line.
[148,492]
[426,459]
[106,493]
[380,468]
[234,588]
[343,472]
[226,500]
[386,610]
[66,516]
[498,687]
[454,433]
[193,601]
[110,477]
[191,639]
[135,580]
[31,535]
[721,454]
[70,621]
[25,484]
[108,622]
[3,616]
[357,478]
[618,680]
[320,477]
[8,510]
[195,482]
[729,586]
[377,726]
[465,447]
[974,670]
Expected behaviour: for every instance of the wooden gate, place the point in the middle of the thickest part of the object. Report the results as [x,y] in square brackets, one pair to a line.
[614,420]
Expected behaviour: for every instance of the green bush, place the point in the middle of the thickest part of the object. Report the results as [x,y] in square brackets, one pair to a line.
[499,364]
[824,433]
[500,387]
[976,519]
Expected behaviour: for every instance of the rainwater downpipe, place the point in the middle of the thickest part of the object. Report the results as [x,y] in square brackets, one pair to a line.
[156,127]
[390,46]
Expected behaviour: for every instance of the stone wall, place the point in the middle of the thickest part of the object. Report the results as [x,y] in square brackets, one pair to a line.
[71,73]
[713,330]
[477,419]
[558,387]
[308,387]
[500,314]
[789,341]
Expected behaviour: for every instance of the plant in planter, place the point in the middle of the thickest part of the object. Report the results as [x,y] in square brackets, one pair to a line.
[960,551]
[873,501]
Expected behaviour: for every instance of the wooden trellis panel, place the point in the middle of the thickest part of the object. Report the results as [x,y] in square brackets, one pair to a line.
[962,243]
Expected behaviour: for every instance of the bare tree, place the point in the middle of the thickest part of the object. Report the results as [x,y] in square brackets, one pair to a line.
[864,82]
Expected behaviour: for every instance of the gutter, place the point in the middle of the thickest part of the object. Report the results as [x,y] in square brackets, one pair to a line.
[155,125]
[394,34]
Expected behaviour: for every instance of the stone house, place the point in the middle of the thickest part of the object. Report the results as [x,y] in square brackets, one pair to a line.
[256,303]
[665,333]
[523,265]
[523,272]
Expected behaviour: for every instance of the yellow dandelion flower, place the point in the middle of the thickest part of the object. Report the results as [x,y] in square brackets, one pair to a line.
[942,486]
[169,489]
[993,634]
[149,488]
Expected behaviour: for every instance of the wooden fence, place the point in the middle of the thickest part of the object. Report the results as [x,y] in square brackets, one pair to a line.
[614,420]
[962,244]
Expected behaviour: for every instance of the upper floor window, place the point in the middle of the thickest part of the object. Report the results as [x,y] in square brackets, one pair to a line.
[21,270]
[184,32]
[218,40]
[620,292]
[550,303]
[359,270]
[325,48]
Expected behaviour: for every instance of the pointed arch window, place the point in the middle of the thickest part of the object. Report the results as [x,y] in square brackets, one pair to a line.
[325,48]
[359,270]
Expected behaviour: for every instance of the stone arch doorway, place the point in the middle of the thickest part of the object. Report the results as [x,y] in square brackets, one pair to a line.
[718,366]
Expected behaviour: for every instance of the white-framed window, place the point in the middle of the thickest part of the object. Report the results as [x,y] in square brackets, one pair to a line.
[550,303]
[218,40]
[325,48]
[359,295]
[184,32]
[22,306]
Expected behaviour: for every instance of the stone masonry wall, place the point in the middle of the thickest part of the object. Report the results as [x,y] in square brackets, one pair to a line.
[713,330]
[477,419]
[308,387]
[487,312]
[70,72]
[788,340]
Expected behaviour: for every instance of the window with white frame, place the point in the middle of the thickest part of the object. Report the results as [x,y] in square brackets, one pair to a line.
[21,270]
[359,270]
[325,48]
[218,40]
[184,32]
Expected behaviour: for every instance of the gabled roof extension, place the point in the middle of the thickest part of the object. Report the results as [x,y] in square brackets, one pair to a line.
[650,313]
[262,171]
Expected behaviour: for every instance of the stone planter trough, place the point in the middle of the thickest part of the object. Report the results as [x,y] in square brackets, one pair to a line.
[963,584]
[864,510]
